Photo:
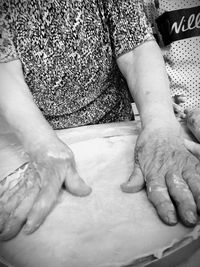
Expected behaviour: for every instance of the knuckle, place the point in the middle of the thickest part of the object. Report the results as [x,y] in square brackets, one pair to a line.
[190,160]
[171,176]
[157,193]
[155,184]
[66,158]
[175,182]
[187,203]
[150,178]
[190,177]
[187,173]
[43,205]
[164,204]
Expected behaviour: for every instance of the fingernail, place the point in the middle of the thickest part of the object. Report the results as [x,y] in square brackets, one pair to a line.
[27,228]
[5,235]
[130,188]
[171,217]
[88,191]
[190,217]
[84,192]
[125,187]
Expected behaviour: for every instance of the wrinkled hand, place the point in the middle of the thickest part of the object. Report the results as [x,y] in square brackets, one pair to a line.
[171,173]
[27,197]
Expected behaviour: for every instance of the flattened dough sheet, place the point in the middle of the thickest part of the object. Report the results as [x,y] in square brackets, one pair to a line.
[106,229]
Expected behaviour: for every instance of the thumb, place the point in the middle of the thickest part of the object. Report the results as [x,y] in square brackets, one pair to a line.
[193,147]
[135,182]
[75,184]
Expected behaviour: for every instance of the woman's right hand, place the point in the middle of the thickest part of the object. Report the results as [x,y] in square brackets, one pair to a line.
[27,199]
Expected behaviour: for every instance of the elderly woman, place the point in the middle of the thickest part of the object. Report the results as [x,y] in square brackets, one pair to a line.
[69,63]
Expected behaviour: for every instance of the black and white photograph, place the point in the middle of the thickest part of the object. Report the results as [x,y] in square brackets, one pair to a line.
[99,133]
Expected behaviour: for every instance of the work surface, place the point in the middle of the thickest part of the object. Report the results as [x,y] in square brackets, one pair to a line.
[108,228]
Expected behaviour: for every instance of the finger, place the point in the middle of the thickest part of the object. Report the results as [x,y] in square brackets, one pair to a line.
[75,184]
[19,216]
[177,108]
[178,99]
[193,122]
[158,195]
[182,115]
[193,147]
[187,110]
[10,202]
[181,99]
[3,216]
[41,208]
[192,178]
[13,189]
[181,194]
[135,182]
[178,111]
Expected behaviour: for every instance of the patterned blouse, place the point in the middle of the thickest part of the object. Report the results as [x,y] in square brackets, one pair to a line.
[68,50]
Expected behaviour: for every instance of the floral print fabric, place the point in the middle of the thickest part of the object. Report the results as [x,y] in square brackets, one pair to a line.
[68,50]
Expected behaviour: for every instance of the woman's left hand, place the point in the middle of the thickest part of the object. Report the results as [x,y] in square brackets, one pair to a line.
[170,171]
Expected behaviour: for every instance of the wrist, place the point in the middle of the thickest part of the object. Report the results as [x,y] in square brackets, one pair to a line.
[158,116]
[35,145]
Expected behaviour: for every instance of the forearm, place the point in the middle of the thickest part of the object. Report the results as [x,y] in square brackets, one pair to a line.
[147,80]
[19,110]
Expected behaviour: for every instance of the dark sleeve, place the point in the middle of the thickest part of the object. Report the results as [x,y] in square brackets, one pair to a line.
[128,24]
[7,48]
